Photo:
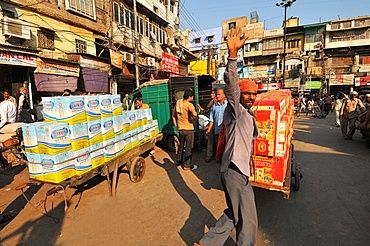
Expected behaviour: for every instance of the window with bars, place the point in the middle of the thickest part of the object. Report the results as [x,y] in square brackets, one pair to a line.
[272,44]
[45,40]
[313,38]
[293,44]
[83,7]
[81,46]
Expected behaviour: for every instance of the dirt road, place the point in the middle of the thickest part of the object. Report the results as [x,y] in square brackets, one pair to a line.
[174,207]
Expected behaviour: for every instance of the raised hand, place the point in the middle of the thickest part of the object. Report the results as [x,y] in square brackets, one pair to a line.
[234,43]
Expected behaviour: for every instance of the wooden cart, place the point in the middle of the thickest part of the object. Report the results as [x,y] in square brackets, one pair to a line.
[293,175]
[132,161]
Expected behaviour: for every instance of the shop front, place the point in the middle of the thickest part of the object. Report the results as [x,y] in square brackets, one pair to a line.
[16,68]
[93,74]
[53,76]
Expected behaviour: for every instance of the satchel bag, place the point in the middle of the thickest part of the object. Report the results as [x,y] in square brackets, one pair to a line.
[361,117]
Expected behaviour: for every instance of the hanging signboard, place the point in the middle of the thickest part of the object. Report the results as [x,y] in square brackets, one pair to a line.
[360,81]
[116,58]
[170,63]
[57,68]
[342,79]
[15,58]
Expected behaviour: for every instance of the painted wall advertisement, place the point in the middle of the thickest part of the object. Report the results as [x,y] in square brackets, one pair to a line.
[170,63]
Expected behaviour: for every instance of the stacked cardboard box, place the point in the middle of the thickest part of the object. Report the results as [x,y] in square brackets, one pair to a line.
[271,149]
[81,133]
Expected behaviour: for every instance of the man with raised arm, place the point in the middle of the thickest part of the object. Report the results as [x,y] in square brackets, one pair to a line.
[240,129]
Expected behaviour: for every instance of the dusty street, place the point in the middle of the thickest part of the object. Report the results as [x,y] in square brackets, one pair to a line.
[174,207]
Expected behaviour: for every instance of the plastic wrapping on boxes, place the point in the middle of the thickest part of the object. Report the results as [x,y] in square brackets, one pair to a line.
[57,151]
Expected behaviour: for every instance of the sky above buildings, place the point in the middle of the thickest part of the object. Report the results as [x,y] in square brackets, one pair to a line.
[204,14]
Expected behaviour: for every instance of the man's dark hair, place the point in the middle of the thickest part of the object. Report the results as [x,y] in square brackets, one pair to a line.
[188,93]
[138,99]
[68,90]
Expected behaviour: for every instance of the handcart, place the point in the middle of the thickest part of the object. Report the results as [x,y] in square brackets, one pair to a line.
[272,163]
[293,175]
[131,160]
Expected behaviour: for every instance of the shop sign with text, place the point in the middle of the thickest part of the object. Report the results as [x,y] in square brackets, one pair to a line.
[170,63]
[56,68]
[15,58]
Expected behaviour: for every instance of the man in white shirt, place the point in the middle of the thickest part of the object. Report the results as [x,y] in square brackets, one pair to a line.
[8,111]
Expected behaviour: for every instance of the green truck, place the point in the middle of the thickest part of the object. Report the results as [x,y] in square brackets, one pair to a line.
[161,96]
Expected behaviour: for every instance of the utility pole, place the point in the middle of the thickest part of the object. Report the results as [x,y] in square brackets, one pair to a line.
[209,60]
[113,83]
[136,46]
[284,4]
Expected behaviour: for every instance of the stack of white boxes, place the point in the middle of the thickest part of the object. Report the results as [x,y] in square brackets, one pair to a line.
[82,133]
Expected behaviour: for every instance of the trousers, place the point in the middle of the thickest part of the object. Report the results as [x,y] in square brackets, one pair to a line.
[241,213]
[348,127]
[186,146]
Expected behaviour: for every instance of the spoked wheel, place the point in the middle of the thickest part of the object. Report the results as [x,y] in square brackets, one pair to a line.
[137,169]
[297,176]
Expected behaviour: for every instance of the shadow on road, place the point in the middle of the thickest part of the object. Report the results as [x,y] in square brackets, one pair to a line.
[18,204]
[7,174]
[41,231]
[199,216]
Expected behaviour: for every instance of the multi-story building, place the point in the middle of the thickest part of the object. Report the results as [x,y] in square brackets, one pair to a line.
[206,44]
[323,57]
[156,41]
[89,44]
[53,45]
[240,22]
[347,48]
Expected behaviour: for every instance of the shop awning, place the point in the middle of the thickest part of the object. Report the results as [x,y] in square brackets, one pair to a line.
[54,83]
[95,80]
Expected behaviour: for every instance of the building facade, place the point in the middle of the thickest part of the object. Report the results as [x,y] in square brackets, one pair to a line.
[206,45]
[320,57]
[53,45]
[95,45]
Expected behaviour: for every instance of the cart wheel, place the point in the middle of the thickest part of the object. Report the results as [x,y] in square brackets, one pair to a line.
[137,169]
[297,176]
[173,143]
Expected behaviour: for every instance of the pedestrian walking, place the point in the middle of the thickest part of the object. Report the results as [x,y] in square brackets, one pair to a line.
[348,114]
[310,107]
[339,97]
[182,116]
[240,129]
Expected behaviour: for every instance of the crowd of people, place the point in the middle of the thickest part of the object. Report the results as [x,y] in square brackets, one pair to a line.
[350,111]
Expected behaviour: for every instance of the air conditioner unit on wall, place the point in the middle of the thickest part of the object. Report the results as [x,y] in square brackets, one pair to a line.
[15,28]
[150,61]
